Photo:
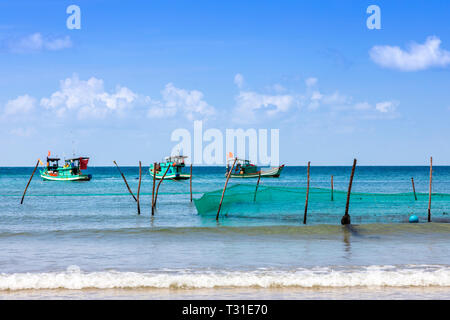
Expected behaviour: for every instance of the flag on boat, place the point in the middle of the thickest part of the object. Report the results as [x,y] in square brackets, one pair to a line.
[230,155]
[83,163]
[40,162]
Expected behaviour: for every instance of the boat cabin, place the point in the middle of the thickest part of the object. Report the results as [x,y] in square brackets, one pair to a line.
[176,160]
[76,164]
[174,166]
[52,164]
[242,167]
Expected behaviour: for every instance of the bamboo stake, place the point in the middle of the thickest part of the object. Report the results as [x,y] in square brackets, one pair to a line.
[307,196]
[157,188]
[332,188]
[429,197]
[131,192]
[224,188]
[139,189]
[257,184]
[25,191]
[414,188]
[346,218]
[153,190]
[190,183]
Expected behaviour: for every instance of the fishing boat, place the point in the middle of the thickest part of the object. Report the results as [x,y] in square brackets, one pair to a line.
[175,167]
[245,169]
[71,171]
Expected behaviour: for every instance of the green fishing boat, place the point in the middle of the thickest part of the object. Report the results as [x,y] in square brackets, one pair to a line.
[174,166]
[71,171]
[245,169]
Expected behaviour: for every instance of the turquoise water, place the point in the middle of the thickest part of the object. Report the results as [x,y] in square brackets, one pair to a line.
[84,236]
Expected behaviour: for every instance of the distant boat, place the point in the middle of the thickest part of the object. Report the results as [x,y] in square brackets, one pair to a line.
[176,169]
[244,169]
[71,171]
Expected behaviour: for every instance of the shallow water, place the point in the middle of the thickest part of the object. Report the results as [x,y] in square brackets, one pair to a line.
[85,240]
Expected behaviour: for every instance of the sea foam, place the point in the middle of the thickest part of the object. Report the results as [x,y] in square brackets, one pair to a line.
[323,277]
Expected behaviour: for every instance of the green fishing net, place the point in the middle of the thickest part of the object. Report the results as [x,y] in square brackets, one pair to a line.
[242,200]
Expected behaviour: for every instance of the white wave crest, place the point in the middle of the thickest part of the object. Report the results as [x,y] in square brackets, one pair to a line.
[385,276]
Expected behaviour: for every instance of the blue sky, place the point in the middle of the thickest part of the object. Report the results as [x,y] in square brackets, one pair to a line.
[138,70]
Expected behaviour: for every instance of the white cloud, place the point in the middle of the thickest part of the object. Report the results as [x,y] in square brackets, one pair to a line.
[316,95]
[386,106]
[36,42]
[418,57]
[239,80]
[20,105]
[248,102]
[58,44]
[315,99]
[253,106]
[88,98]
[336,99]
[185,102]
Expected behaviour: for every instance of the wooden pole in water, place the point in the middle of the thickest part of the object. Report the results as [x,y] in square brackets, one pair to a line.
[190,183]
[224,188]
[414,188]
[25,191]
[429,197]
[139,188]
[159,183]
[257,184]
[307,196]
[153,190]
[332,188]
[129,190]
[346,218]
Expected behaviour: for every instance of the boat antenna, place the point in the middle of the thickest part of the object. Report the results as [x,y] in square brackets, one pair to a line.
[73,144]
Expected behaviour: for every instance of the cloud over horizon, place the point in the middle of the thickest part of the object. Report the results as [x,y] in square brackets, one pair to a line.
[88,98]
[20,105]
[254,106]
[78,99]
[180,101]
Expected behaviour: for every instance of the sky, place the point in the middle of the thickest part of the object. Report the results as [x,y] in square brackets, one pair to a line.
[135,71]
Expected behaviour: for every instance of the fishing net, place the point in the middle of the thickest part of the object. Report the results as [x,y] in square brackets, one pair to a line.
[241,200]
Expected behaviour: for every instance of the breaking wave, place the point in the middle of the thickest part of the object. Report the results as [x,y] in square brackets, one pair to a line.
[317,277]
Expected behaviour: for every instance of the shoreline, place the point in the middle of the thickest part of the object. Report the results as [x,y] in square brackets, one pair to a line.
[358,293]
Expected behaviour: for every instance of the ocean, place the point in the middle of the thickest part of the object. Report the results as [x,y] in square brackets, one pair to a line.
[85,240]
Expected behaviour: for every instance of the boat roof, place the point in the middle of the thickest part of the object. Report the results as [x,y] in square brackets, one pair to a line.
[238,160]
[53,159]
[176,157]
[78,158]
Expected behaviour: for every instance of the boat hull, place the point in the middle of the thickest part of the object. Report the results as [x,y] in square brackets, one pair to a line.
[270,173]
[172,176]
[81,177]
